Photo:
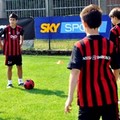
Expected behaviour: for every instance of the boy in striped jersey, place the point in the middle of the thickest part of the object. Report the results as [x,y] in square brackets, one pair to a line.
[13,40]
[115,31]
[91,62]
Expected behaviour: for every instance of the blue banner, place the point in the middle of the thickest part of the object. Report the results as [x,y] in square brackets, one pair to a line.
[69,27]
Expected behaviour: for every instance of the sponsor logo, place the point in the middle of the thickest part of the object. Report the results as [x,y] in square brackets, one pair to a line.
[72,27]
[47,27]
[13,37]
[68,27]
[95,57]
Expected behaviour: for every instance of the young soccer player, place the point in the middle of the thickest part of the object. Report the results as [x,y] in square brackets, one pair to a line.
[13,40]
[115,31]
[91,62]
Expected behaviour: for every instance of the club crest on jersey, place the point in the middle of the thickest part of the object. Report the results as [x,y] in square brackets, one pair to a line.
[18,33]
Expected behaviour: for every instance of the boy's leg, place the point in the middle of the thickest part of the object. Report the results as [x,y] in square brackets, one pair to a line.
[18,62]
[89,113]
[19,70]
[9,72]
[9,76]
[9,63]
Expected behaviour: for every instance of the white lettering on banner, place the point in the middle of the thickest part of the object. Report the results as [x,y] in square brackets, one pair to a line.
[94,57]
[74,27]
[2,26]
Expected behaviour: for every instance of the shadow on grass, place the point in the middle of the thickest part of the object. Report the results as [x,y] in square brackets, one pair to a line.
[58,93]
[1,112]
[15,118]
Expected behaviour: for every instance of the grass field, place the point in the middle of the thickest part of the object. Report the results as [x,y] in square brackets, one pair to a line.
[46,101]
[54,44]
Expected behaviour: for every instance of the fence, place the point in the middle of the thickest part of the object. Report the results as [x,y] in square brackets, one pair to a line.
[35,8]
[26,8]
[43,8]
[111,4]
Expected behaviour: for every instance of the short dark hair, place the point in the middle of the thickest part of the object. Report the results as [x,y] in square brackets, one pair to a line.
[92,15]
[115,12]
[13,15]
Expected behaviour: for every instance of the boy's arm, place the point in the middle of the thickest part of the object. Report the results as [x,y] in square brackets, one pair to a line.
[116,73]
[21,40]
[72,85]
[21,37]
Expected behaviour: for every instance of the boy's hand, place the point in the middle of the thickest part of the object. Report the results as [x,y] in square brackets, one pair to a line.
[68,105]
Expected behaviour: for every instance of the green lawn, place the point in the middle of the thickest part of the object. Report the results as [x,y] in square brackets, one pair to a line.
[46,101]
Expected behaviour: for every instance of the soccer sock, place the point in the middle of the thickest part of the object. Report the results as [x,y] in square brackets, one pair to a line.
[20,80]
[9,81]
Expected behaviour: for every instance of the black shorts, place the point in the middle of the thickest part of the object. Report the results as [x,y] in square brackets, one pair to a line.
[108,112]
[11,60]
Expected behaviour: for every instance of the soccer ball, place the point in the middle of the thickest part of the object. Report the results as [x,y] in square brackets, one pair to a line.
[29,84]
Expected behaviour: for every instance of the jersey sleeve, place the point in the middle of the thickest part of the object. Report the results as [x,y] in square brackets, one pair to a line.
[21,32]
[115,60]
[113,37]
[76,59]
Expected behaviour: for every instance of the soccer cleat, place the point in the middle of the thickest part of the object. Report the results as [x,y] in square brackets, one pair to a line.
[9,85]
[21,84]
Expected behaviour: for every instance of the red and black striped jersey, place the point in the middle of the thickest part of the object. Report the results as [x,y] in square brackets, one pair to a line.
[12,40]
[115,36]
[94,56]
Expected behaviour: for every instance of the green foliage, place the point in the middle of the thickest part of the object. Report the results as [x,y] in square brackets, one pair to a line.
[44,102]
